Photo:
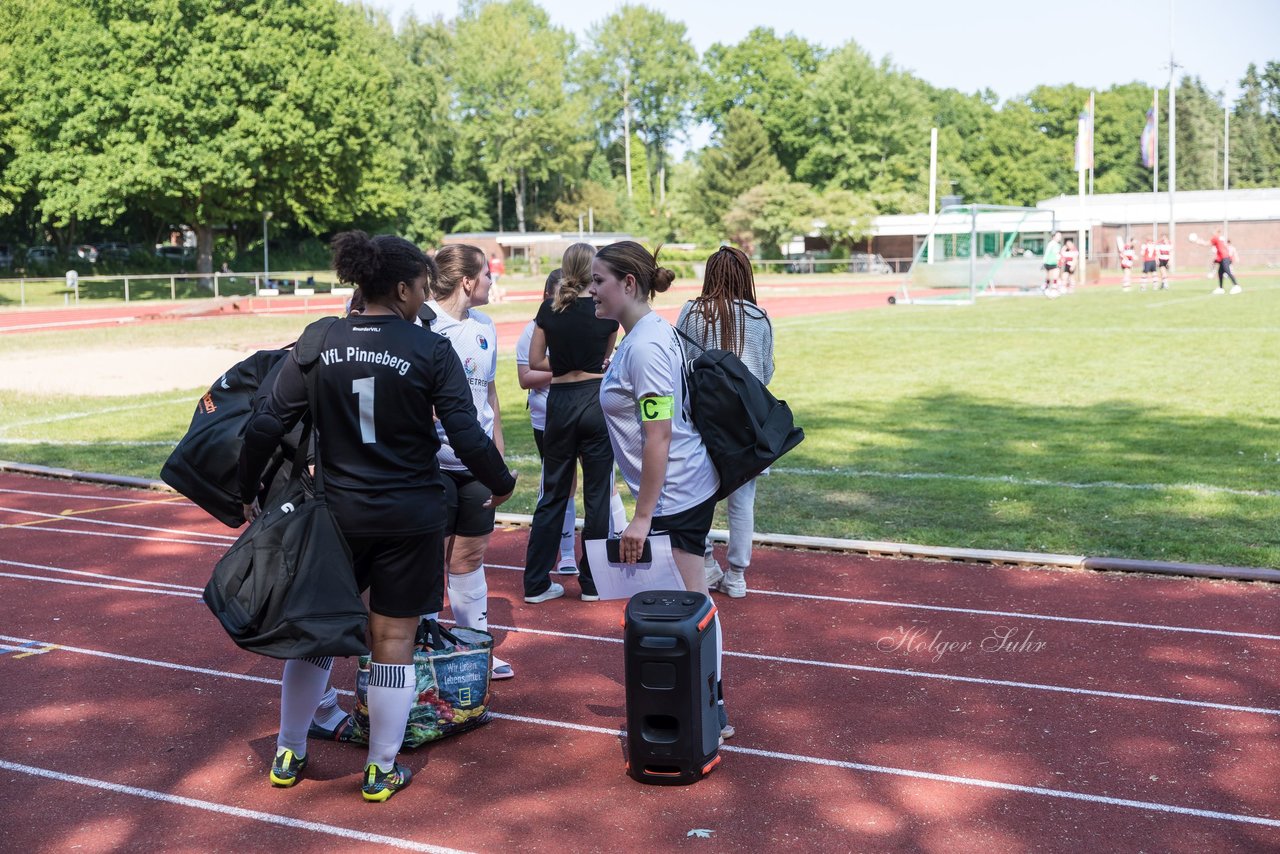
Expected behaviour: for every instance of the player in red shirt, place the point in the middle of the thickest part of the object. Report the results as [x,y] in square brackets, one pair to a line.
[1127,255]
[1148,262]
[1164,253]
[1069,256]
[1223,254]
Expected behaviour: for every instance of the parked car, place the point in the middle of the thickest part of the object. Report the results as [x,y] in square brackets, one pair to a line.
[175,253]
[113,251]
[868,262]
[6,256]
[85,252]
[42,256]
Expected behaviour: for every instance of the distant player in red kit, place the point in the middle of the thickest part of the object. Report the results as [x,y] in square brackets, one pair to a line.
[1127,254]
[1148,262]
[1069,256]
[1223,254]
[1164,253]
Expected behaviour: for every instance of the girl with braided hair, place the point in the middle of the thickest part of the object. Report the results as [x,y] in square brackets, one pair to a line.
[726,317]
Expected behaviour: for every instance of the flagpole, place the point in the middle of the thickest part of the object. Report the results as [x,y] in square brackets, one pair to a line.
[1226,162]
[1173,145]
[1155,162]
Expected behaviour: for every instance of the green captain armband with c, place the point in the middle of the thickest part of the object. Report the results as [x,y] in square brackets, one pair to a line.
[657,408]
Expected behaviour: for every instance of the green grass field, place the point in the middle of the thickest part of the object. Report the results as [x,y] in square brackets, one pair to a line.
[1137,425]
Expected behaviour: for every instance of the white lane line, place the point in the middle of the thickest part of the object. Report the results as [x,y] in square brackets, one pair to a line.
[771,754]
[103,321]
[861,668]
[1199,488]
[48,530]
[99,575]
[1011,787]
[84,443]
[107,524]
[228,810]
[159,502]
[71,416]
[45,578]
[1020,615]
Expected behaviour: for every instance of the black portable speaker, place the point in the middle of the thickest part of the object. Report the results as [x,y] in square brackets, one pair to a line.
[673,725]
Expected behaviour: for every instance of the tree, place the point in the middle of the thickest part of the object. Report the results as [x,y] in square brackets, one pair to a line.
[768,76]
[1255,129]
[740,159]
[766,216]
[844,217]
[642,71]
[202,112]
[512,104]
[875,130]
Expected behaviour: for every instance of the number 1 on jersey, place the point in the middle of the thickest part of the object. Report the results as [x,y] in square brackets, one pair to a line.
[363,388]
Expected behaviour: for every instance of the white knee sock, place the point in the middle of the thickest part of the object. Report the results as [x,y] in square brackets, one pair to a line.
[301,690]
[469,598]
[567,555]
[329,714]
[617,514]
[392,688]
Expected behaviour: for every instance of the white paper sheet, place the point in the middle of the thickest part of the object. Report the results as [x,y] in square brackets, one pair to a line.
[624,580]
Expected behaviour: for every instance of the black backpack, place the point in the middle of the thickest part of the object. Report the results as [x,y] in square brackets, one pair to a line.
[745,428]
[204,465]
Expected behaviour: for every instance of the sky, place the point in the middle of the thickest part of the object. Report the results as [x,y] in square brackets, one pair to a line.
[1009,47]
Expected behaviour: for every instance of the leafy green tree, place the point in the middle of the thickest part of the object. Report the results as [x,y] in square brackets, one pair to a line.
[1199,136]
[740,159]
[767,215]
[770,76]
[643,75]
[860,147]
[1255,129]
[844,217]
[512,105]
[204,112]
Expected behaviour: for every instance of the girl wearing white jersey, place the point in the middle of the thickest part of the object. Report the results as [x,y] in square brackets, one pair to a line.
[463,284]
[660,454]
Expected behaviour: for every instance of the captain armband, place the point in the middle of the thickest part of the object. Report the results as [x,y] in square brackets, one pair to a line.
[657,408]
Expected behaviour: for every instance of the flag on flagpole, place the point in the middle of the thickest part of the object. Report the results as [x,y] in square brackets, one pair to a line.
[1148,140]
[1084,140]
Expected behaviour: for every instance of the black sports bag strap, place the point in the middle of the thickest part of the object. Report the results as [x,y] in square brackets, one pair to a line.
[307,352]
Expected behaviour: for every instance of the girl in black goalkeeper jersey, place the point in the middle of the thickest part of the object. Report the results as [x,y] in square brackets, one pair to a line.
[377,382]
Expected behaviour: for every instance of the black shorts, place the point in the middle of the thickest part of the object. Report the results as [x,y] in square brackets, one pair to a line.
[688,529]
[1069,269]
[1164,262]
[1148,266]
[404,574]
[1050,267]
[464,499]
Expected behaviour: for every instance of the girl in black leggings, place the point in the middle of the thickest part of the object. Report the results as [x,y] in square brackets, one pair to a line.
[579,343]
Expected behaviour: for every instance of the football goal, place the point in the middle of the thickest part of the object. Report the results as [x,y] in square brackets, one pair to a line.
[976,251]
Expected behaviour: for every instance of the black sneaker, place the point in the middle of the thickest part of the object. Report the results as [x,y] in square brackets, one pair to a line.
[380,785]
[287,768]
[342,732]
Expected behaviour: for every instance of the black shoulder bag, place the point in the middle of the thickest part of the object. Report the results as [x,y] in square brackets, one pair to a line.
[286,588]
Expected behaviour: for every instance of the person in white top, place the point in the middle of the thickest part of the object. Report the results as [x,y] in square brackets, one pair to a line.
[659,452]
[537,382]
[726,317]
[463,284]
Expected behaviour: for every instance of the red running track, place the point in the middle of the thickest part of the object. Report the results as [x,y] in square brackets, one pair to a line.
[1087,711]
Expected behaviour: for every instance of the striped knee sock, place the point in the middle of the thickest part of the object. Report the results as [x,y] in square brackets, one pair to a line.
[301,690]
[392,688]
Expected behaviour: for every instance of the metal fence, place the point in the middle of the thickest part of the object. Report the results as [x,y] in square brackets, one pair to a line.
[70,290]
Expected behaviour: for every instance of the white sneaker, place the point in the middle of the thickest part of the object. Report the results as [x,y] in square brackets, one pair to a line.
[714,574]
[501,669]
[555,591]
[1217,291]
[734,584]
[1236,289]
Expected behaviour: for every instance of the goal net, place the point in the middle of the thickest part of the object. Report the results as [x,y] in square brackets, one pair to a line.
[974,251]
